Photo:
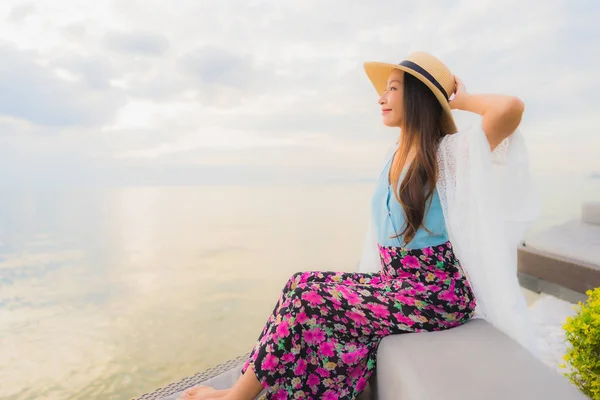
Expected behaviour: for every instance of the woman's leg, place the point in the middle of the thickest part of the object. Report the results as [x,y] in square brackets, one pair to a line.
[248,382]
[323,340]
[310,277]
[202,393]
[247,387]
[301,278]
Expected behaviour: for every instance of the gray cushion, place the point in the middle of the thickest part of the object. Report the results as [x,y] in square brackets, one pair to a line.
[576,241]
[473,361]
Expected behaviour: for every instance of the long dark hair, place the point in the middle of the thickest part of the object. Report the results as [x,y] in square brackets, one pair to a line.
[421,135]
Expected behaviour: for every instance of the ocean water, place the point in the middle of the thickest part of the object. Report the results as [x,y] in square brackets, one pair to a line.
[111,293]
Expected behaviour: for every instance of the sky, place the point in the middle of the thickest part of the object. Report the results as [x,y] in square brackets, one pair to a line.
[229,92]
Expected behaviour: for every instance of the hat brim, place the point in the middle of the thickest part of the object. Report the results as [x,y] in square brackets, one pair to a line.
[379,72]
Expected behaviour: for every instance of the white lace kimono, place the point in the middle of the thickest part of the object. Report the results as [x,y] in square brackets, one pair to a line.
[488,202]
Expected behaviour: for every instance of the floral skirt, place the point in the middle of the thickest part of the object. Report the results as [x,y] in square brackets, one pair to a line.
[321,340]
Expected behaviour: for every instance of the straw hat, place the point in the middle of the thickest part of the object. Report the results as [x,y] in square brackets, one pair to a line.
[429,70]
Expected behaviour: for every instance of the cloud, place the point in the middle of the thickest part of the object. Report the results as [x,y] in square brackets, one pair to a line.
[35,93]
[223,77]
[19,12]
[241,83]
[95,71]
[219,67]
[137,43]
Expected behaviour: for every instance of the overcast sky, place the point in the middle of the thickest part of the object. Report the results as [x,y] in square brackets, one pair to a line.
[180,92]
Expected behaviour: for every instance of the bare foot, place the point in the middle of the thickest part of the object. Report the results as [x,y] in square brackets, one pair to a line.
[202,393]
[218,394]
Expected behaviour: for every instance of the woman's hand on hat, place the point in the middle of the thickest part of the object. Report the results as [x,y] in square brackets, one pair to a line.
[460,92]
[501,113]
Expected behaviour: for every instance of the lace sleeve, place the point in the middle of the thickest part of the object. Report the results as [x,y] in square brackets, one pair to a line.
[486,202]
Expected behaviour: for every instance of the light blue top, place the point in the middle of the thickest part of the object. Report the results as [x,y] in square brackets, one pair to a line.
[389,218]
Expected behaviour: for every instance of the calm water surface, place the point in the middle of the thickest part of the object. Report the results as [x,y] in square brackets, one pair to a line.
[112,293]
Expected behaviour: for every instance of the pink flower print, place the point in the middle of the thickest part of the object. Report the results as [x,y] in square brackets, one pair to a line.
[421,318]
[302,318]
[350,358]
[285,303]
[334,292]
[313,380]
[379,310]
[404,275]
[361,384]
[297,279]
[434,288]
[448,324]
[448,295]
[383,332]
[312,297]
[313,336]
[348,281]
[409,301]
[296,383]
[362,352]
[343,289]
[323,372]
[283,329]
[352,297]
[385,255]
[270,362]
[441,275]
[451,317]
[327,349]
[281,394]
[288,358]
[428,251]
[403,319]
[300,367]
[329,395]
[336,302]
[419,287]
[411,262]
[356,372]
[359,319]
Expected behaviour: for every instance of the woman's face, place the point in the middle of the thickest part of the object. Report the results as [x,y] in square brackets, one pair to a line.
[391,101]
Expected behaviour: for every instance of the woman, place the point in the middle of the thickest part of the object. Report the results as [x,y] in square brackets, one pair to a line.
[321,340]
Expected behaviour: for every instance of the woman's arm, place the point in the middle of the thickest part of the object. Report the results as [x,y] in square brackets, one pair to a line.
[501,114]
